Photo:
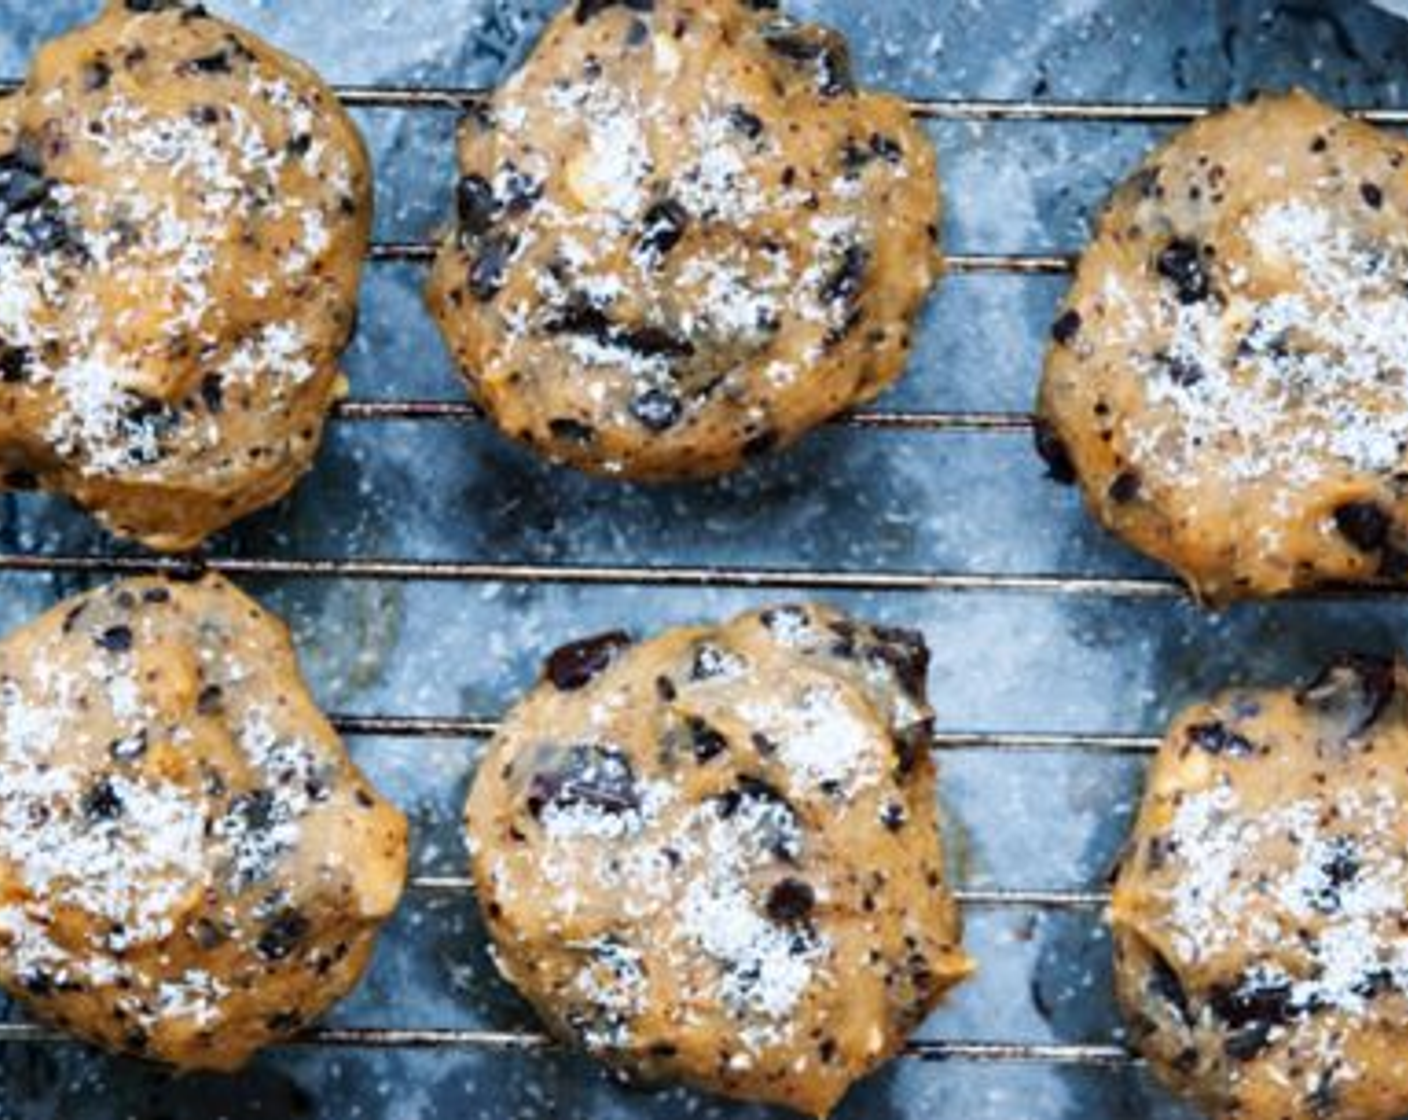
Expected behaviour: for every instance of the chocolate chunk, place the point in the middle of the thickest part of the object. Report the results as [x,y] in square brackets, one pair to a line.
[706,742]
[588,10]
[281,938]
[115,639]
[96,75]
[1125,487]
[1181,263]
[1372,194]
[825,55]
[658,409]
[1051,448]
[14,363]
[1217,738]
[599,778]
[1251,1011]
[575,666]
[567,430]
[845,283]
[665,224]
[1352,691]
[102,802]
[211,700]
[1164,986]
[743,120]
[487,272]
[907,655]
[1364,524]
[1340,869]
[893,816]
[790,901]
[212,393]
[1065,329]
[474,201]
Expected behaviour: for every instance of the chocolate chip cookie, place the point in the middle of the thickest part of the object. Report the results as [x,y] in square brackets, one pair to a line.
[190,865]
[183,216]
[1228,380]
[684,238]
[1261,953]
[714,856]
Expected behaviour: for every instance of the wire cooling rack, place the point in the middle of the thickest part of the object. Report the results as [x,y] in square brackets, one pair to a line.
[479,728]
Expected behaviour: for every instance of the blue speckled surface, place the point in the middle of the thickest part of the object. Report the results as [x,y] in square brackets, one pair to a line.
[847,499]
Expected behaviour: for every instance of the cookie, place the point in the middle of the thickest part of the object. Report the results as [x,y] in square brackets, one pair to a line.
[191,868]
[1261,953]
[714,856]
[183,216]
[684,238]
[1228,380]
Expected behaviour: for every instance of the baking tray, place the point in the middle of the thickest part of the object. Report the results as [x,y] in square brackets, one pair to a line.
[426,565]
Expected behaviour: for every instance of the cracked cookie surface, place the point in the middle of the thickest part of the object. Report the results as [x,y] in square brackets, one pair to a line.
[715,857]
[184,212]
[684,238]
[190,865]
[1261,956]
[1228,379]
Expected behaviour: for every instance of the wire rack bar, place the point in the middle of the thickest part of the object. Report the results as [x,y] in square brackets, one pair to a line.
[399,1038]
[1029,264]
[984,898]
[940,421]
[605,575]
[482,727]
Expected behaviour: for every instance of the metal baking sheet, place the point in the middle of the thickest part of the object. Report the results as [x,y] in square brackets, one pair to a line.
[1047,688]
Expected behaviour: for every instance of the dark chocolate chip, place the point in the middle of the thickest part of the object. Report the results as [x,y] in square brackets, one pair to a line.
[1353,691]
[1181,263]
[906,653]
[658,409]
[575,666]
[566,430]
[706,742]
[487,272]
[1183,371]
[96,74]
[1372,194]
[790,901]
[1164,985]
[282,936]
[825,55]
[115,639]
[211,700]
[14,363]
[664,224]
[1340,869]
[1125,487]
[1052,449]
[1215,737]
[1364,524]
[744,121]
[845,282]
[1251,1011]
[212,393]
[102,802]
[474,200]
[600,778]
[1065,329]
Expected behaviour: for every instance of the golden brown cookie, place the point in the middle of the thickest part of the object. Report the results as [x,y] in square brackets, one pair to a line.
[190,865]
[183,216]
[684,238]
[715,857]
[1261,948]
[1229,378]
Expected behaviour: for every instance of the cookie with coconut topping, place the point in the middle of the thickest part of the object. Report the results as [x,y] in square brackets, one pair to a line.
[190,865]
[714,856]
[1261,953]
[684,238]
[183,216]
[1228,380]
